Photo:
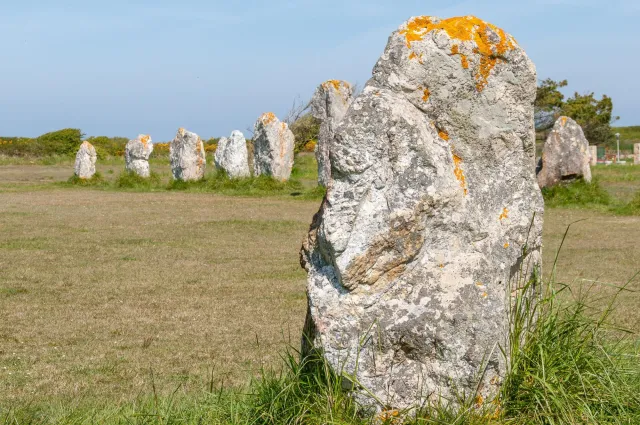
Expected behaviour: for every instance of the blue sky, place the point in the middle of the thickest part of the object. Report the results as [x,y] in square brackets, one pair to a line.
[120,68]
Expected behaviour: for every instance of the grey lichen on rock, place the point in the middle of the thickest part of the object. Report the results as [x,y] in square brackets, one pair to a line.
[273,145]
[329,105]
[565,156]
[136,155]
[232,156]
[432,218]
[85,164]
[187,156]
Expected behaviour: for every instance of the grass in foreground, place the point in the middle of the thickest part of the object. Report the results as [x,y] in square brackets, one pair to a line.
[567,365]
[570,370]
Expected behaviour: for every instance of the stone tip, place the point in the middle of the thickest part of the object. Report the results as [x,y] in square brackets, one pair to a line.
[487,43]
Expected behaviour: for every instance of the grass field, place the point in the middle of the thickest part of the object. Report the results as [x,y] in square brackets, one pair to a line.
[106,295]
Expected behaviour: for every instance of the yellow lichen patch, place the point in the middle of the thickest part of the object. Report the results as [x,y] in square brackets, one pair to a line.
[466,28]
[505,214]
[335,84]
[455,50]
[563,121]
[87,144]
[413,55]
[444,135]
[459,173]
[145,139]
[464,61]
[506,245]
[267,118]
[485,295]
[479,401]
[426,94]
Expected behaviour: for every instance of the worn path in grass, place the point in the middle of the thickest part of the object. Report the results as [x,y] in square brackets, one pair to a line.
[98,289]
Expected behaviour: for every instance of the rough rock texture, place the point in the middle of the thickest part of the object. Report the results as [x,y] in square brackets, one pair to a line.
[593,155]
[273,144]
[420,239]
[545,119]
[565,155]
[136,155]
[636,153]
[187,156]
[232,157]
[329,104]
[85,165]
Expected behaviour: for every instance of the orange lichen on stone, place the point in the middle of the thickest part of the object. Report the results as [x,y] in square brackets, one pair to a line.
[413,55]
[464,61]
[505,214]
[145,140]
[455,50]
[335,83]
[466,28]
[87,144]
[267,118]
[443,134]
[459,173]
[506,245]
[563,121]
[426,94]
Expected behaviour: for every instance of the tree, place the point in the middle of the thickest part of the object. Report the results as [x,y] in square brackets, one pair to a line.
[593,115]
[548,97]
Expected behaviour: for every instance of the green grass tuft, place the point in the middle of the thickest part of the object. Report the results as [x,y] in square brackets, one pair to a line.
[130,180]
[96,180]
[631,208]
[219,182]
[577,193]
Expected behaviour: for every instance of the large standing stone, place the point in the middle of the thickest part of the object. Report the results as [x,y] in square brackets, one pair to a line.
[329,104]
[85,165]
[565,155]
[432,218]
[232,157]
[136,155]
[636,154]
[187,156]
[273,144]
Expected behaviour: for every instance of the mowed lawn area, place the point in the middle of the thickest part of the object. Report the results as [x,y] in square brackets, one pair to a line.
[105,294]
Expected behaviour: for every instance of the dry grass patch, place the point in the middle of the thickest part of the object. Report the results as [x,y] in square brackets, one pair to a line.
[98,289]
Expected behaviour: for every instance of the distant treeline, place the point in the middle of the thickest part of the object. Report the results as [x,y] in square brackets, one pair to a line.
[67,141]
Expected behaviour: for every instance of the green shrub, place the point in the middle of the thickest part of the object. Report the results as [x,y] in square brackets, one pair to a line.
[95,180]
[577,193]
[130,180]
[108,146]
[304,129]
[61,142]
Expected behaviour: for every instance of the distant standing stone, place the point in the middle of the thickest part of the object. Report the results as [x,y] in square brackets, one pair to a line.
[329,104]
[565,155]
[273,145]
[636,154]
[85,165]
[136,155]
[232,156]
[187,156]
